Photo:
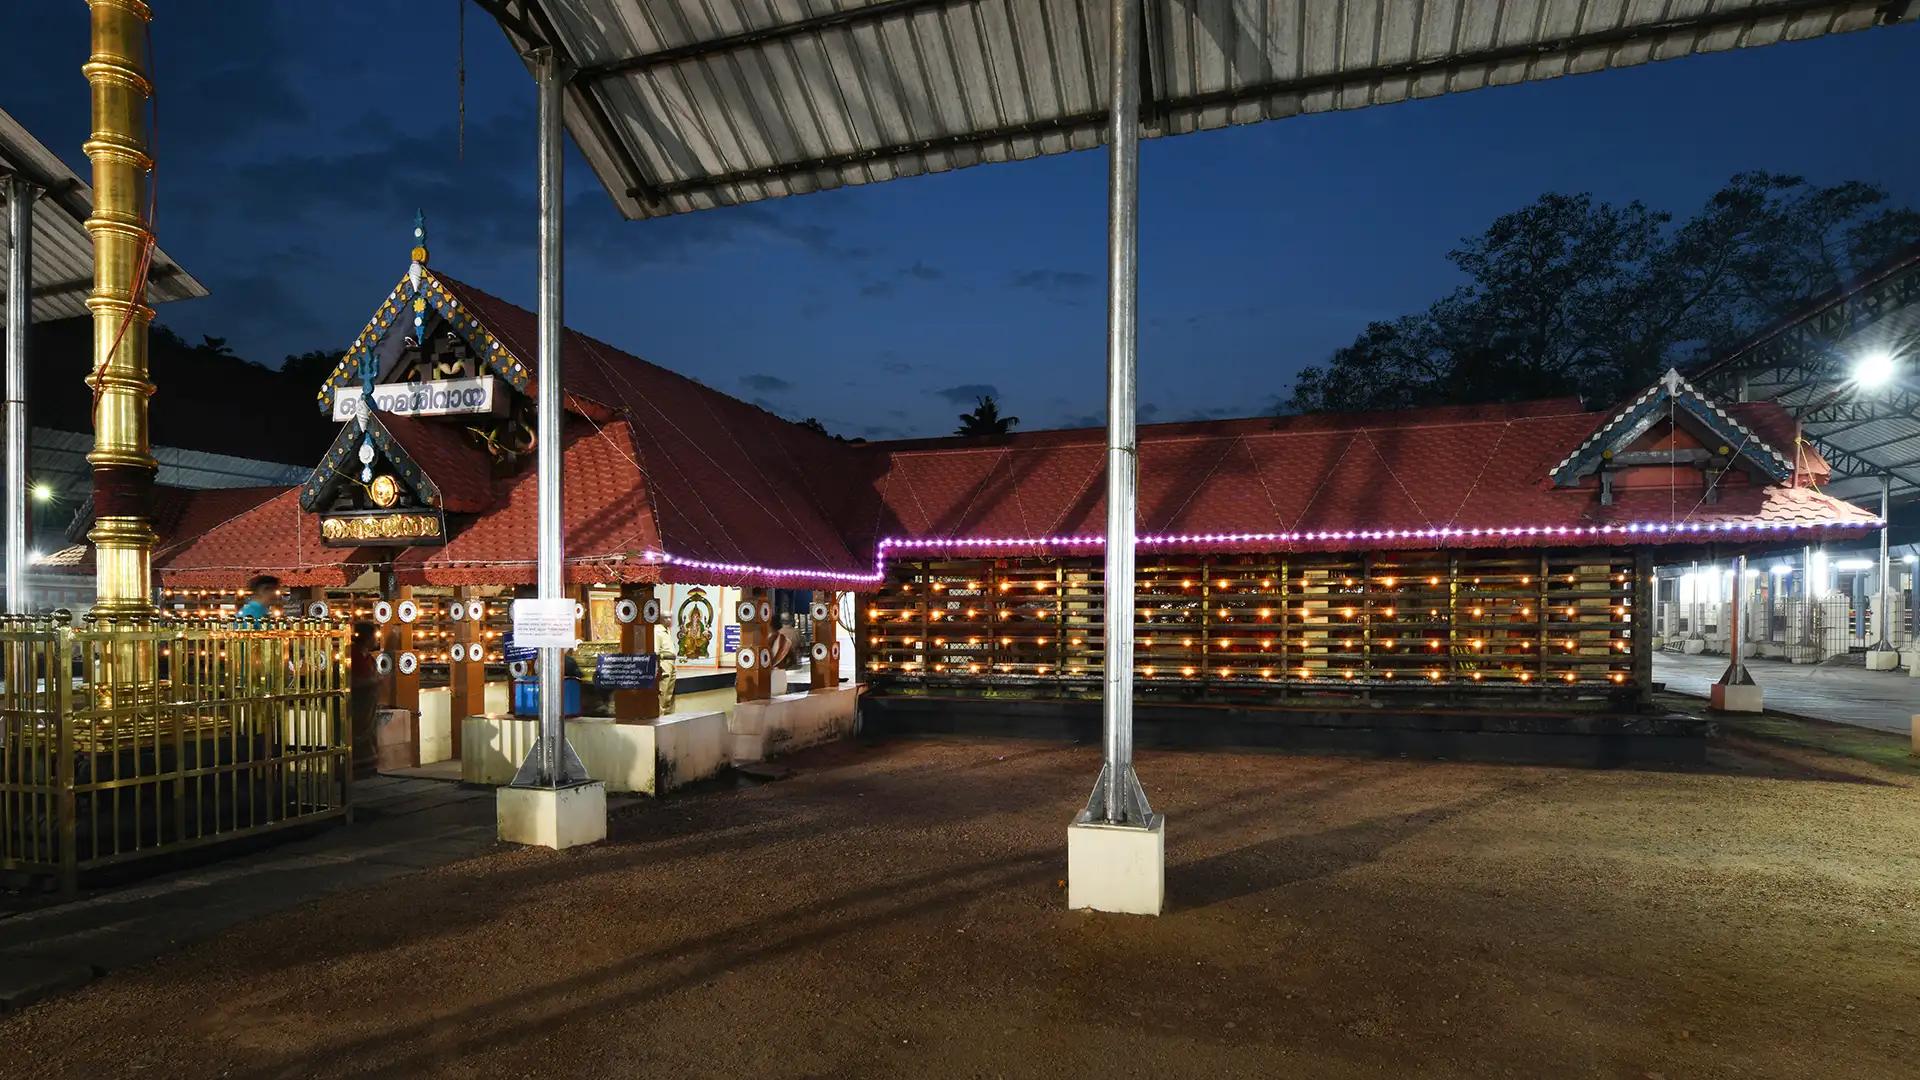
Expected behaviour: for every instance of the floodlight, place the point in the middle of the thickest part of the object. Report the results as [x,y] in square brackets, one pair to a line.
[42,492]
[1874,370]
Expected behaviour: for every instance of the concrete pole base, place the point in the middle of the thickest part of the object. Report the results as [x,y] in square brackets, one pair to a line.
[1118,868]
[1882,660]
[1738,697]
[557,818]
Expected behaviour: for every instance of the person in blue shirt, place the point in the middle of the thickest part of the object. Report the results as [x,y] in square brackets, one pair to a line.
[266,592]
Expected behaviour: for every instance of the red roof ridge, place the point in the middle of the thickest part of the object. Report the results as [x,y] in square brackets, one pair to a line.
[1290,426]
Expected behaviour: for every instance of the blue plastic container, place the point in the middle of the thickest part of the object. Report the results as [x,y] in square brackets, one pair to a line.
[526,696]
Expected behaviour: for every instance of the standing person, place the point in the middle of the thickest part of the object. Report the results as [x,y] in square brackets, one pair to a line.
[265,590]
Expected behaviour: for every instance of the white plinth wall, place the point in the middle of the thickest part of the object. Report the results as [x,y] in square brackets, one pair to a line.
[645,759]
[789,722]
[1118,868]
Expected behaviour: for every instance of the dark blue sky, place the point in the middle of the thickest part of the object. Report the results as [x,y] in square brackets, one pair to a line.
[296,140]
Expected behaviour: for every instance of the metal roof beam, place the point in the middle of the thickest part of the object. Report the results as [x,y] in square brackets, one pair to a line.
[748,38]
[1571,43]
[1860,468]
[1901,404]
[1870,447]
[532,29]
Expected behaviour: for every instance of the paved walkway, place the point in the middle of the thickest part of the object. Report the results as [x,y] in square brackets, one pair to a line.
[1883,700]
[400,825]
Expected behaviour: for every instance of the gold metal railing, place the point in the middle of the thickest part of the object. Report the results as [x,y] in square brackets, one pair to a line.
[125,739]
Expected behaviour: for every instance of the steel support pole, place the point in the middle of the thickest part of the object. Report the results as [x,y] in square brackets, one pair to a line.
[1885,613]
[20,197]
[1118,797]
[1736,673]
[551,553]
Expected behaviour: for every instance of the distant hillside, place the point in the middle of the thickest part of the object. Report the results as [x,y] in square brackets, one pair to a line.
[209,399]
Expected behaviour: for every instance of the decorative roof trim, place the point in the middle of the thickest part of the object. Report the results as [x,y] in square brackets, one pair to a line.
[1644,411]
[436,296]
[337,466]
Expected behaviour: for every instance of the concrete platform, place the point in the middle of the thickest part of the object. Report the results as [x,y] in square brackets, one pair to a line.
[764,729]
[1117,868]
[1736,697]
[557,818]
[1882,700]
[645,759]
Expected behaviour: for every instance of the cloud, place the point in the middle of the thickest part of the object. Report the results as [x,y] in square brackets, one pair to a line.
[895,367]
[887,286]
[1061,286]
[968,393]
[882,431]
[761,383]
[1215,412]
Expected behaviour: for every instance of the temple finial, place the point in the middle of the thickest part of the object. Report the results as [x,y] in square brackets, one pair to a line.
[420,237]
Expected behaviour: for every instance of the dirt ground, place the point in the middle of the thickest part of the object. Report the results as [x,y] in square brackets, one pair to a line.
[898,910]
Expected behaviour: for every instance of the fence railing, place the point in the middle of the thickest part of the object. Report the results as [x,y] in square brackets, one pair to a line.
[121,740]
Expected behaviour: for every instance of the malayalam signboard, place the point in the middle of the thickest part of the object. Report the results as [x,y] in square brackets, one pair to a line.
[626,671]
[437,397]
[383,528]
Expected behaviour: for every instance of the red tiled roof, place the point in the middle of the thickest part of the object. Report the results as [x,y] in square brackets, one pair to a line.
[668,479]
[462,471]
[1306,478]
[605,508]
[730,483]
[179,515]
[275,537]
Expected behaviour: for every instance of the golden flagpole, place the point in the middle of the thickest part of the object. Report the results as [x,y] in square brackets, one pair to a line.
[122,460]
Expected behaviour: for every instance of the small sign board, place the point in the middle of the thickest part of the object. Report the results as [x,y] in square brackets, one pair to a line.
[730,638]
[511,652]
[544,624]
[436,397]
[626,671]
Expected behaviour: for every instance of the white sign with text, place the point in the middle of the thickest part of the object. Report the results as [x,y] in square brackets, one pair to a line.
[439,397]
[544,624]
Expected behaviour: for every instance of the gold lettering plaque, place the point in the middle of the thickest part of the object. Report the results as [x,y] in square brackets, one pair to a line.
[381,529]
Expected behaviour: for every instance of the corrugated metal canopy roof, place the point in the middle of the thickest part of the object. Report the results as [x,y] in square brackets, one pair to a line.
[683,106]
[62,251]
[1805,363]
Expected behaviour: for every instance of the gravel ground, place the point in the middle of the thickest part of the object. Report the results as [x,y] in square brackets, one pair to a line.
[897,910]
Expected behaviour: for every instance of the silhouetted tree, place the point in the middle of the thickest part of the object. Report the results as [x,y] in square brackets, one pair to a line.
[1569,295]
[813,424]
[985,419]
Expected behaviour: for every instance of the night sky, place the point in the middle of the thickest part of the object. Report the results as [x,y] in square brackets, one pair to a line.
[296,140]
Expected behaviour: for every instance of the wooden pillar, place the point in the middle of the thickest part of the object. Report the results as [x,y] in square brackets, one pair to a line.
[826,640]
[754,678]
[404,692]
[863,649]
[466,661]
[1640,628]
[583,622]
[638,614]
